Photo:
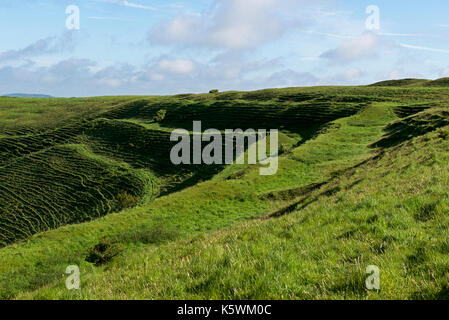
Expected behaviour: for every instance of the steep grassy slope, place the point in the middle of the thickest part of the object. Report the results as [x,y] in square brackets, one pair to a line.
[88,159]
[402,83]
[361,182]
[49,177]
[410,82]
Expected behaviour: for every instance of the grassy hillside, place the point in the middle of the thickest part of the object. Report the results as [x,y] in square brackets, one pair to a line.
[402,83]
[410,82]
[361,182]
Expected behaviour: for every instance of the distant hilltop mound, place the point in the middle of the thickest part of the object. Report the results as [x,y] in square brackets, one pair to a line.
[410,82]
[26,95]
[443,82]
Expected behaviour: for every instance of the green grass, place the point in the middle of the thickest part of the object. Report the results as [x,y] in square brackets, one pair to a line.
[402,83]
[362,182]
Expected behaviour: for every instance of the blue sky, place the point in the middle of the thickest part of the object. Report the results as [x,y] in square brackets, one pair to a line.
[168,47]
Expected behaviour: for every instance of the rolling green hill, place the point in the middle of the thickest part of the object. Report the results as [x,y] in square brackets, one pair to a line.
[402,83]
[362,181]
[443,82]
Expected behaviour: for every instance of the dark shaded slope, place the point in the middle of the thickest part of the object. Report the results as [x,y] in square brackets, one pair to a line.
[443,82]
[409,82]
[413,126]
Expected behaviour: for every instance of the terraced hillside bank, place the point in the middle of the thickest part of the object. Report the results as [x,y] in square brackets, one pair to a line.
[100,156]
[114,153]
[98,176]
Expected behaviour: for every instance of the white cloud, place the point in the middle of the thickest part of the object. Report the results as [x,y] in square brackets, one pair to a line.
[180,66]
[361,47]
[233,24]
[157,77]
[352,74]
[291,78]
[180,30]
[248,23]
[164,75]
[110,82]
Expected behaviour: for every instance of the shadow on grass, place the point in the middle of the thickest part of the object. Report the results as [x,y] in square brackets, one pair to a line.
[413,126]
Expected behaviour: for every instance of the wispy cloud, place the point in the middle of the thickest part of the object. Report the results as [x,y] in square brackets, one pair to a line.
[126,3]
[327,34]
[41,47]
[108,18]
[139,6]
[411,35]
[408,46]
